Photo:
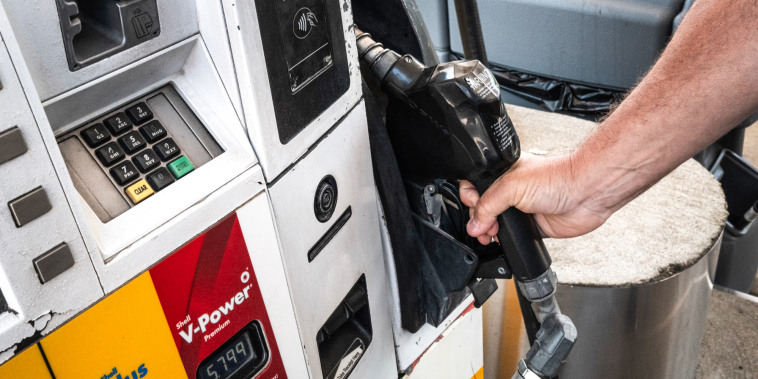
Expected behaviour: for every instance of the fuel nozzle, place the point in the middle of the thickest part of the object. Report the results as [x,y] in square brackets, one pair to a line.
[449,123]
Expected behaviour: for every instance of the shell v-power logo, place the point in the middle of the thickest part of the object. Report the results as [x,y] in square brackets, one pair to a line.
[201,325]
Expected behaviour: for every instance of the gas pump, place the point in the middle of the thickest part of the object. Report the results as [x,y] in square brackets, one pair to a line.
[190,193]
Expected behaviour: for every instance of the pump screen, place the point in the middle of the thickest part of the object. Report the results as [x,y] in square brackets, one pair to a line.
[304,32]
[225,362]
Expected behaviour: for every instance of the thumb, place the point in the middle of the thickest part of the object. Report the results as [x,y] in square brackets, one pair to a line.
[491,204]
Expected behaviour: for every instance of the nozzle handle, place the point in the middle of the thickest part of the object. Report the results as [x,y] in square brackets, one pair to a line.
[522,245]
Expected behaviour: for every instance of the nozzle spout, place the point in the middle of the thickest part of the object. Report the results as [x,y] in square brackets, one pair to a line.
[373,53]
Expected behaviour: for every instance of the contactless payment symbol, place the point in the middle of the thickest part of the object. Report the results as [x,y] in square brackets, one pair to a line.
[304,22]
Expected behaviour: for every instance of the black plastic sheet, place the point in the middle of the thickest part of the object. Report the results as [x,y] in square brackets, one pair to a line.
[556,95]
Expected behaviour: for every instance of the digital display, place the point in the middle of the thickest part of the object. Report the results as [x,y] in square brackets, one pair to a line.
[225,362]
[304,32]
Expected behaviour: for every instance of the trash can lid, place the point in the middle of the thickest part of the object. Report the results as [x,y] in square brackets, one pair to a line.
[664,231]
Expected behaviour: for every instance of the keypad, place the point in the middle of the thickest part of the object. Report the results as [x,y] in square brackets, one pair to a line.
[132,142]
[139,113]
[153,131]
[96,135]
[109,154]
[118,124]
[146,160]
[143,158]
[166,149]
[160,179]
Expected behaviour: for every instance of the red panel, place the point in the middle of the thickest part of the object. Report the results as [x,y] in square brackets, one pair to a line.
[209,292]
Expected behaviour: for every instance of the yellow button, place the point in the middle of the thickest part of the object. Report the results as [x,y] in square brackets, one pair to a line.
[139,191]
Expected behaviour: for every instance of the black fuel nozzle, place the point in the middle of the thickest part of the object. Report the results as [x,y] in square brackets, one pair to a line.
[467,134]
[456,127]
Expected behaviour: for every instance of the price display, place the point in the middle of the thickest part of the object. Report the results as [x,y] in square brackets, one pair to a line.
[228,360]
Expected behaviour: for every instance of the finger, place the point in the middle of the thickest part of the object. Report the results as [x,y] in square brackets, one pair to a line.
[469,194]
[484,240]
[492,203]
[493,230]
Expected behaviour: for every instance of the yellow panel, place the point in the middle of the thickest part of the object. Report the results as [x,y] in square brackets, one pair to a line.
[27,365]
[139,191]
[126,334]
[479,374]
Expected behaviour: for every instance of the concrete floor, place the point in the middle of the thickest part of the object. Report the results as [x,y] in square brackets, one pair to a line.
[730,342]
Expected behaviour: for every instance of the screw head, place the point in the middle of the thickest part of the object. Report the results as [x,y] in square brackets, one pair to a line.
[501,270]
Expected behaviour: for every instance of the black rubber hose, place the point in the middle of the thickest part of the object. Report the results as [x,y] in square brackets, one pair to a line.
[471,30]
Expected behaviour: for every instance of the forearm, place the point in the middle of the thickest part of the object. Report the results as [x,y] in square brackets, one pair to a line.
[704,84]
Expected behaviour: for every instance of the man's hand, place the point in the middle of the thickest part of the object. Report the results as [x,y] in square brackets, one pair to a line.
[545,187]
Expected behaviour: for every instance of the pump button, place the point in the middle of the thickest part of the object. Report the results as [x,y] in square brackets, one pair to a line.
[180,167]
[326,199]
[109,154]
[139,191]
[12,144]
[146,160]
[29,206]
[167,149]
[160,179]
[95,135]
[139,113]
[124,172]
[153,131]
[132,142]
[53,263]
[118,124]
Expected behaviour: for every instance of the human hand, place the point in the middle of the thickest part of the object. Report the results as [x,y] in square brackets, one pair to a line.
[545,187]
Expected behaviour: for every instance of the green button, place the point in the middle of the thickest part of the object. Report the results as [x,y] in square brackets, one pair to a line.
[180,167]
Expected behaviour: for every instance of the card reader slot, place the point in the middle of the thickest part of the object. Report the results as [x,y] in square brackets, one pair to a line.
[346,334]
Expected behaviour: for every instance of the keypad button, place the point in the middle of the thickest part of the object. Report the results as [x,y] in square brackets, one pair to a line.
[109,154]
[118,124]
[139,191]
[180,167]
[139,113]
[132,142]
[124,172]
[160,179]
[96,135]
[166,149]
[153,131]
[146,160]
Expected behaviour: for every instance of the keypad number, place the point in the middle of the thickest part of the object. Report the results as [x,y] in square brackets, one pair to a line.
[166,149]
[118,124]
[160,179]
[153,131]
[124,173]
[139,113]
[132,142]
[95,135]
[109,154]
[146,160]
